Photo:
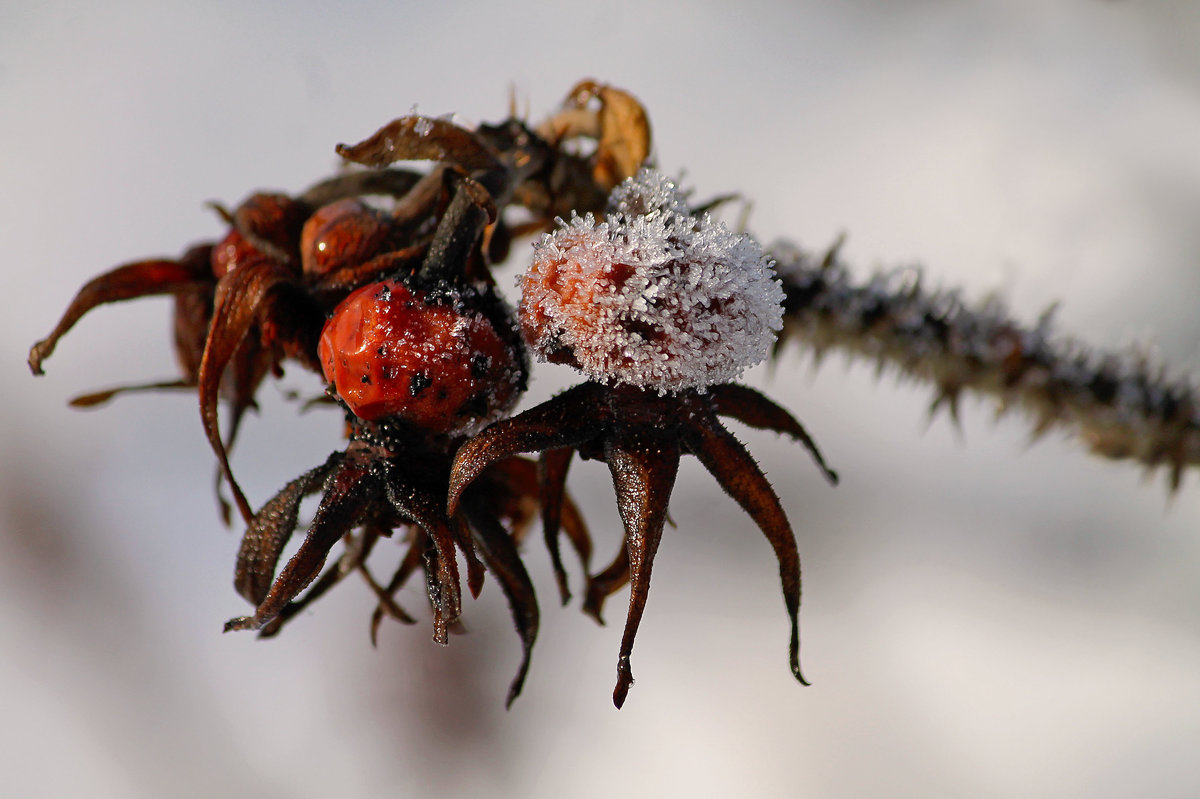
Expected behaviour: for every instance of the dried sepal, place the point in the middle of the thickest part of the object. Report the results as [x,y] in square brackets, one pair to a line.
[239,297]
[348,492]
[356,549]
[386,595]
[360,183]
[611,579]
[190,320]
[424,507]
[93,399]
[643,466]
[271,529]
[421,138]
[270,223]
[740,477]
[454,253]
[128,282]
[552,478]
[337,284]
[551,425]
[504,562]
[576,530]
[754,409]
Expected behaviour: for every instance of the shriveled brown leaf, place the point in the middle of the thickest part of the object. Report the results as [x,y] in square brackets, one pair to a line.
[420,138]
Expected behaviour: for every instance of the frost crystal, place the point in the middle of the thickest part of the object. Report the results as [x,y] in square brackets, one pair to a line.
[651,296]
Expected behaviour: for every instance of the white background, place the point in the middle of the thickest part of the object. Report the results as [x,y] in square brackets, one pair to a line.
[981,618]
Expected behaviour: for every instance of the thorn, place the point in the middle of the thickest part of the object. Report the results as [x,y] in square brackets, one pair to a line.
[743,223]
[221,211]
[1046,318]
[1176,476]
[1001,409]
[947,397]
[818,356]
[830,258]
[1045,421]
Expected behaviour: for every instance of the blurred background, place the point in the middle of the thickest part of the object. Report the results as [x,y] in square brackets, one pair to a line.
[981,617]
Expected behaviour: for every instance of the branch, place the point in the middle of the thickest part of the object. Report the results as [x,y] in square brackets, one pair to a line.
[1121,406]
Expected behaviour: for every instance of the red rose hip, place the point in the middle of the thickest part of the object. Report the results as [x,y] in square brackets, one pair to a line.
[435,361]
[344,233]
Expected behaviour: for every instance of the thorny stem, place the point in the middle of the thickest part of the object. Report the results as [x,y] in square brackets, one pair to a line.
[1121,406]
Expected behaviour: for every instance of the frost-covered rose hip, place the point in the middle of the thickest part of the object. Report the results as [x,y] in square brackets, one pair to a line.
[651,297]
[661,309]
[440,360]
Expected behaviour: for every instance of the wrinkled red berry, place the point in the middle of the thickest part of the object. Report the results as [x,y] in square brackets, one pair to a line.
[343,233]
[435,362]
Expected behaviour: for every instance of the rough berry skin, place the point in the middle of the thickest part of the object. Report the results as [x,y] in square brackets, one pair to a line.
[343,233]
[435,362]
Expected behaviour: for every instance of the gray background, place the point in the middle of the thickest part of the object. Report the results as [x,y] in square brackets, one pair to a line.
[981,618]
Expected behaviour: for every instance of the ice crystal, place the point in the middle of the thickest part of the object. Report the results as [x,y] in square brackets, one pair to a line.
[651,296]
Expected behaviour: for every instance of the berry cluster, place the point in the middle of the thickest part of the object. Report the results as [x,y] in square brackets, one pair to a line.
[380,279]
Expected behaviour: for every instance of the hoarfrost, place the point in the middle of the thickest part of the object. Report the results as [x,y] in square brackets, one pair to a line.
[651,296]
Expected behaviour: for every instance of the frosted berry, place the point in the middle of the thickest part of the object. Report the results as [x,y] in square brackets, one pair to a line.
[439,360]
[652,296]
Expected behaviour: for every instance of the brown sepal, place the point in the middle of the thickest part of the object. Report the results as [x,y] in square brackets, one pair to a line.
[127,282]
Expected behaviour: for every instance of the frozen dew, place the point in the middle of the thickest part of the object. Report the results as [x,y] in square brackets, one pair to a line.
[650,192]
[423,126]
[651,296]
